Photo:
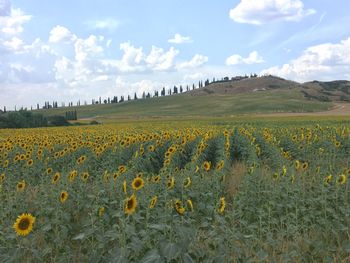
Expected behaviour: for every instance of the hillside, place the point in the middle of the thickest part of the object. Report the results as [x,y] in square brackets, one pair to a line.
[260,95]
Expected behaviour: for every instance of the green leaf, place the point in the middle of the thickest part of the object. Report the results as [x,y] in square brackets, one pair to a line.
[152,257]
[170,251]
[79,236]
[187,258]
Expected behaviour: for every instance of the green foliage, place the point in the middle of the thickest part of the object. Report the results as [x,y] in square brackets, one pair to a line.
[22,119]
[58,120]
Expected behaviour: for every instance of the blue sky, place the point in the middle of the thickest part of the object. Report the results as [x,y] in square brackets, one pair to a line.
[71,50]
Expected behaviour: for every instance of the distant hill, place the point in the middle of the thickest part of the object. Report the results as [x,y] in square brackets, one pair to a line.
[257,95]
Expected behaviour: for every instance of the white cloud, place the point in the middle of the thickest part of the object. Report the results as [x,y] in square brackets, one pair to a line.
[5,7]
[13,44]
[160,60]
[196,61]
[178,39]
[61,34]
[253,58]
[107,23]
[12,24]
[326,61]
[264,11]
[87,48]
[194,76]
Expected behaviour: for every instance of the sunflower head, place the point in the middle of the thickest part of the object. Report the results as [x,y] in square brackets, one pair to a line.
[156,178]
[187,182]
[30,162]
[122,169]
[170,182]
[63,196]
[124,187]
[21,186]
[130,205]
[222,205]
[341,179]
[305,166]
[85,176]
[101,211]
[206,165]
[153,202]
[56,177]
[137,183]
[151,148]
[328,180]
[190,205]
[24,224]
[2,177]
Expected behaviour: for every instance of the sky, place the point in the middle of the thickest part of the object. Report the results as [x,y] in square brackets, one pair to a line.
[80,50]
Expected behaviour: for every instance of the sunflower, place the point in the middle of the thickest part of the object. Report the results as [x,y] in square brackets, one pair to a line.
[220,165]
[337,144]
[49,170]
[140,174]
[156,178]
[2,177]
[130,205]
[137,183]
[124,187]
[305,166]
[166,162]
[101,211]
[21,185]
[30,162]
[341,179]
[153,202]
[24,224]
[222,205]
[6,163]
[63,196]
[179,208]
[318,169]
[81,159]
[85,176]
[297,164]
[190,204]
[170,182]
[151,148]
[55,178]
[122,169]
[328,180]
[72,175]
[206,166]
[187,182]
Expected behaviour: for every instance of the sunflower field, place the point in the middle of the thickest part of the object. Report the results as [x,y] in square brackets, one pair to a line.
[234,192]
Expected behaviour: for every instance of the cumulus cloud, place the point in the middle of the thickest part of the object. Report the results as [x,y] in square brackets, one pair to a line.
[324,62]
[264,11]
[197,61]
[107,23]
[5,7]
[253,58]
[61,34]
[158,59]
[13,24]
[178,39]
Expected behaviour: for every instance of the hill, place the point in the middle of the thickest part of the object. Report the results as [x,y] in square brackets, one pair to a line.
[260,95]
